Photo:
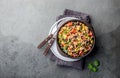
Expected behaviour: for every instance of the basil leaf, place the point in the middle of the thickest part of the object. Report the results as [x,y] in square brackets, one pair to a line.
[96,63]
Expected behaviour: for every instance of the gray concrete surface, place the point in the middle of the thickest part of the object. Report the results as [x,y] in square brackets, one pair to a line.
[25,23]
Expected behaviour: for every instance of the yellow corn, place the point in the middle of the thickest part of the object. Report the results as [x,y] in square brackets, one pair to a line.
[78,27]
[69,53]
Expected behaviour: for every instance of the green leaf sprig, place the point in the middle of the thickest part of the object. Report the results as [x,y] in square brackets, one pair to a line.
[94,66]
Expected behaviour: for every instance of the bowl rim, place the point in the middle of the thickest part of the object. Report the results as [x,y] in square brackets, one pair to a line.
[65,54]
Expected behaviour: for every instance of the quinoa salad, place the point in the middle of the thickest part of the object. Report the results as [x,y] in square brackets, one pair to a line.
[75,38]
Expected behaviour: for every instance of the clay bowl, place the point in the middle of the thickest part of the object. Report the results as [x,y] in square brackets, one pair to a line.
[65,54]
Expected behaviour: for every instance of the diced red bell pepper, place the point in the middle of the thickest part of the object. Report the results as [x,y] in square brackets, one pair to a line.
[73,30]
[81,53]
[74,55]
[69,24]
[90,33]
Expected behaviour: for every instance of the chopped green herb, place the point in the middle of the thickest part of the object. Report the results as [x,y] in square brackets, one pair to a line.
[60,36]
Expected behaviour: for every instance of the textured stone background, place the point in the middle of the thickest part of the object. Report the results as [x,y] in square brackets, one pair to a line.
[25,23]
